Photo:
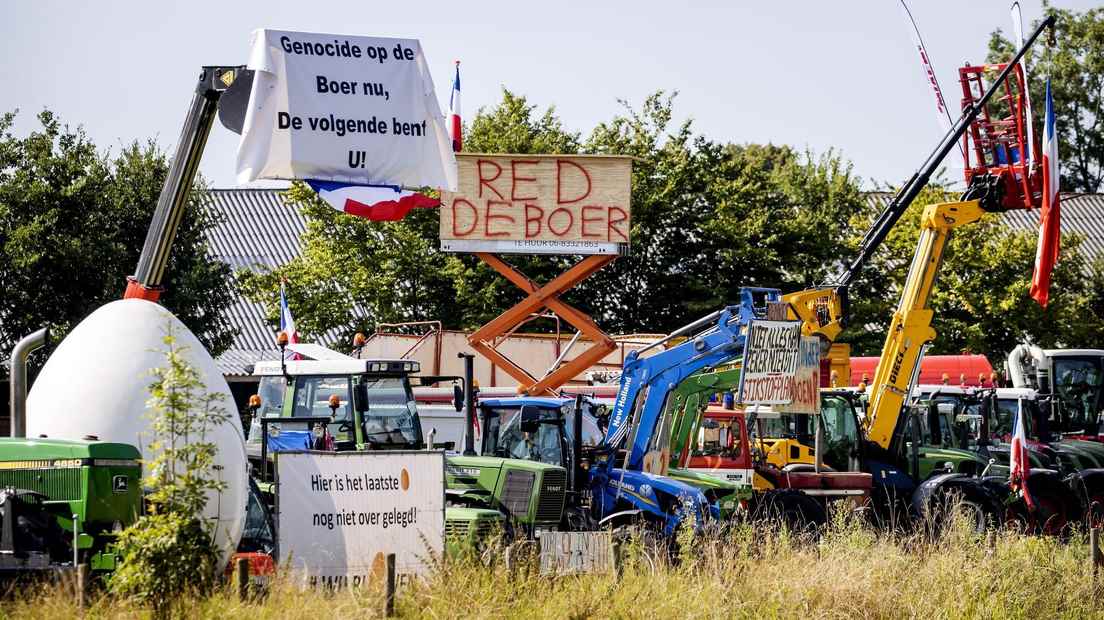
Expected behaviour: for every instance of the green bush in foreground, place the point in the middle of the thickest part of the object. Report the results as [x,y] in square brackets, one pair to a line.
[749,571]
[169,552]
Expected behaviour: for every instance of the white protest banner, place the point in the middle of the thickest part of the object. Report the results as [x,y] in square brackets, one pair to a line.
[806,380]
[339,514]
[343,108]
[770,361]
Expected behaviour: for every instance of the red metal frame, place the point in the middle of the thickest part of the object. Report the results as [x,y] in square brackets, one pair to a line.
[992,133]
[547,296]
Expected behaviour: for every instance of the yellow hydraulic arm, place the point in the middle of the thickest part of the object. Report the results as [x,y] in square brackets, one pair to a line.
[910,328]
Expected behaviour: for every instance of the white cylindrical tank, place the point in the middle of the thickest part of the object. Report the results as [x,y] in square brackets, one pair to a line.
[97,383]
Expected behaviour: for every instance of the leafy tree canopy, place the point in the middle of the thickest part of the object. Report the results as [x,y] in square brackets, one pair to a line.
[72,224]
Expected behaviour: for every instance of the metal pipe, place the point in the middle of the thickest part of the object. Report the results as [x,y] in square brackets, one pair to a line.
[19,355]
[705,320]
[469,403]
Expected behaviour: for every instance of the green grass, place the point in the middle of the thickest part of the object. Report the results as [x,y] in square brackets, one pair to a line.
[851,571]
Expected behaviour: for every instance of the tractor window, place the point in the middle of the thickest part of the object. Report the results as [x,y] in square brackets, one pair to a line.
[1077,382]
[271,390]
[592,433]
[840,431]
[312,397]
[544,445]
[392,416]
[718,438]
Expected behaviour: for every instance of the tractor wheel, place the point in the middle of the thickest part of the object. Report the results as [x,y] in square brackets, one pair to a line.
[794,509]
[1055,511]
[966,502]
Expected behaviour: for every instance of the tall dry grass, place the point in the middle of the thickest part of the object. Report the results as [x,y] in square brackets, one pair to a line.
[850,571]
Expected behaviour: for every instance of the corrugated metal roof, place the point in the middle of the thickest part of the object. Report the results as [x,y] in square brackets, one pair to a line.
[1081,213]
[258,231]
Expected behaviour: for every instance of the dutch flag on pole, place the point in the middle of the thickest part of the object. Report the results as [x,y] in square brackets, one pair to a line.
[287,322]
[1050,226]
[1020,465]
[454,125]
[381,203]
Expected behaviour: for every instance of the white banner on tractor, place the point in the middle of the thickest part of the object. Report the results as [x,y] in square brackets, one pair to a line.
[339,514]
[343,108]
[770,362]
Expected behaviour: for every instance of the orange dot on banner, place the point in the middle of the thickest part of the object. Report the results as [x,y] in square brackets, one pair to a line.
[405,479]
[379,566]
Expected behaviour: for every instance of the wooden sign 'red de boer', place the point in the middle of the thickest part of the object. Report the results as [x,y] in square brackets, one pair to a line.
[538,204]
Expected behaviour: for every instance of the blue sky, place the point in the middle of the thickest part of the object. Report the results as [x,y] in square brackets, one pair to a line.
[816,75]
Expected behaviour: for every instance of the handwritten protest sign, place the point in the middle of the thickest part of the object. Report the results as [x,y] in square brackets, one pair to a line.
[538,204]
[806,381]
[770,362]
[340,514]
[343,108]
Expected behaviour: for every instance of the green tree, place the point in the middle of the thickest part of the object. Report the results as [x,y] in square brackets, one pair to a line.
[707,219]
[354,273]
[980,300]
[1076,67]
[169,551]
[72,224]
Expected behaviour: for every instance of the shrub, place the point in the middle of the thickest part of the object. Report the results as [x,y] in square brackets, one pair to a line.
[169,551]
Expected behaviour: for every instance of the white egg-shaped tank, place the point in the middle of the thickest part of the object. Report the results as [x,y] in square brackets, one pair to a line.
[97,383]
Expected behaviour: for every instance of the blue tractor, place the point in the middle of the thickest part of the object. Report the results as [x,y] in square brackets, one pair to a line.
[615,473]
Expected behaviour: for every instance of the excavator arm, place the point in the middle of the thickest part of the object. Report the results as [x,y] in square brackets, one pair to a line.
[213,83]
[647,382]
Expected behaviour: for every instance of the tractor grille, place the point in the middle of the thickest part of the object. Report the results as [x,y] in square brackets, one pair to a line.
[60,484]
[457,528]
[551,501]
[516,493]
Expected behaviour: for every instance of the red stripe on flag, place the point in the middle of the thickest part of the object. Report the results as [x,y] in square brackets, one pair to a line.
[457,139]
[390,210]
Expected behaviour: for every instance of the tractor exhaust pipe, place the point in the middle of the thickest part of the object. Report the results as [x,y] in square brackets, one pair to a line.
[20,353]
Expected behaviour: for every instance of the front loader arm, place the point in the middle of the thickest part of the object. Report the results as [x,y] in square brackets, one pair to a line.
[647,382]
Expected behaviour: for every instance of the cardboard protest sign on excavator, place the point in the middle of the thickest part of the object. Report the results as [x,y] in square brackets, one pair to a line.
[539,204]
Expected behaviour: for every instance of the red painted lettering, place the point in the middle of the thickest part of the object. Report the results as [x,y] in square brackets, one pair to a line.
[585,220]
[533,214]
[567,227]
[560,163]
[487,180]
[456,232]
[515,178]
[487,220]
[611,227]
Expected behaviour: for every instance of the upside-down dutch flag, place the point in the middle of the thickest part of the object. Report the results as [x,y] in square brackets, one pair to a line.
[381,203]
[287,323]
[1050,226]
[454,124]
[1019,464]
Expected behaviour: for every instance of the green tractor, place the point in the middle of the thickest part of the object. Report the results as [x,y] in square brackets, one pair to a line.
[63,501]
[348,403]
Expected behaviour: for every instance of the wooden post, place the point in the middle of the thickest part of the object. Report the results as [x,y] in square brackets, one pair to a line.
[241,577]
[82,586]
[390,594]
[1094,552]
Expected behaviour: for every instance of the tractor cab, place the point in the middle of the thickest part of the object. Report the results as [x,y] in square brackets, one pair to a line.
[351,404]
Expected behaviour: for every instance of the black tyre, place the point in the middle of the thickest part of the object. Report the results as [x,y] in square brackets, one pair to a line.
[1056,507]
[794,509]
[971,503]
